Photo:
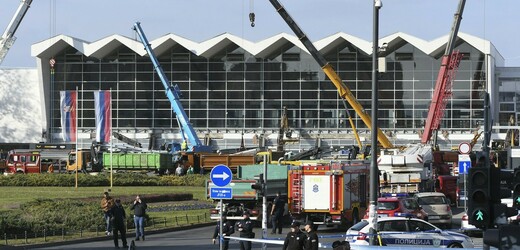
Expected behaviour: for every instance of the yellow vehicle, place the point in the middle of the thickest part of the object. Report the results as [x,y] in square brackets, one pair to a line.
[83,161]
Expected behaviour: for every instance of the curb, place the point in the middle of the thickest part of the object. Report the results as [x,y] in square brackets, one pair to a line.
[102,238]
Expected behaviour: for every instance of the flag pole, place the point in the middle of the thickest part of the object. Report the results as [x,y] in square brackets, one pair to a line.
[76,118]
[111,144]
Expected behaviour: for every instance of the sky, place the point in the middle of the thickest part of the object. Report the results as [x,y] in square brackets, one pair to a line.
[199,20]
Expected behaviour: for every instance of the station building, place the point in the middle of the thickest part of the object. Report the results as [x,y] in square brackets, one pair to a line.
[234,91]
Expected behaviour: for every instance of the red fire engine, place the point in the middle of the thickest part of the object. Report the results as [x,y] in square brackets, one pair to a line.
[333,193]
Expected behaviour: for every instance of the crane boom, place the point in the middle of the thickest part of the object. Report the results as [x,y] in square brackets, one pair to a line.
[7,40]
[449,65]
[173,94]
[327,68]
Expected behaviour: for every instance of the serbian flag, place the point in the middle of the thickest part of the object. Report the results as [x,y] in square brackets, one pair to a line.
[68,102]
[102,100]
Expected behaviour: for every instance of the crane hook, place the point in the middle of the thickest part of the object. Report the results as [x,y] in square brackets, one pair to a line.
[252,19]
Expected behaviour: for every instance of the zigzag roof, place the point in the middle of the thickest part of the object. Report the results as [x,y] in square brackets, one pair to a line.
[261,49]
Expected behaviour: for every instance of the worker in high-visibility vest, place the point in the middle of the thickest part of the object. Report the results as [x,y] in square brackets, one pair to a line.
[184,145]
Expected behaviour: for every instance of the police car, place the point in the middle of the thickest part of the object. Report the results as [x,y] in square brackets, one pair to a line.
[399,231]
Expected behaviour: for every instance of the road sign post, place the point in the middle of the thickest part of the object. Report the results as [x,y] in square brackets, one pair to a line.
[464,163]
[221,176]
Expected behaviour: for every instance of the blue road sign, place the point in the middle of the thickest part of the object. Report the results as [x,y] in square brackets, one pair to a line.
[464,167]
[221,193]
[221,175]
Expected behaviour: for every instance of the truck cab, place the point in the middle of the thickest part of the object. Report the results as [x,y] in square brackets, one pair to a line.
[24,163]
[83,161]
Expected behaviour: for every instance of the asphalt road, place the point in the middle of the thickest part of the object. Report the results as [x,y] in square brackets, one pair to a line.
[200,238]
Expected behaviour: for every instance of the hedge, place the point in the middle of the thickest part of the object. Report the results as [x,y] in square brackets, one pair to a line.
[87,180]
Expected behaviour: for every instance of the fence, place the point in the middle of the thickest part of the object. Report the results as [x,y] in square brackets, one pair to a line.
[65,234]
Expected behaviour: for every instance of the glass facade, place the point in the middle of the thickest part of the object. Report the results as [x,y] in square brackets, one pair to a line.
[238,91]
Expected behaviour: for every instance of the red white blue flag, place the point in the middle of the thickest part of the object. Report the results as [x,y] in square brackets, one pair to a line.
[102,100]
[68,102]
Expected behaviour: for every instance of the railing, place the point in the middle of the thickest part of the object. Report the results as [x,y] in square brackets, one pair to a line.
[67,234]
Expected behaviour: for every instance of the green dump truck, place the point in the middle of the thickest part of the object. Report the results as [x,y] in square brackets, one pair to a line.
[139,162]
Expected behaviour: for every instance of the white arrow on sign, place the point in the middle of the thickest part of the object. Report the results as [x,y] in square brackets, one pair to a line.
[223,176]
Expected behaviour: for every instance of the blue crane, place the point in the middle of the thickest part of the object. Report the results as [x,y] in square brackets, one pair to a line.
[173,94]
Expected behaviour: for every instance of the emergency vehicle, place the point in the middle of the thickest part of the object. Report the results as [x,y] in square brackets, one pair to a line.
[26,163]
[333,193]
[406,232]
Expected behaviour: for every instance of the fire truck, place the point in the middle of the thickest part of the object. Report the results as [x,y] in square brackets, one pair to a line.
[331,194]
[26,163]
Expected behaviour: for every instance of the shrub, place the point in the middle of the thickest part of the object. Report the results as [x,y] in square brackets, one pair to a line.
[75,214]
[103,179]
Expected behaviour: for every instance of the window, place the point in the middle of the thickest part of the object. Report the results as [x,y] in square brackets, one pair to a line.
[291,57]
[416,226]
[235,57]
[404,56]
[397,225]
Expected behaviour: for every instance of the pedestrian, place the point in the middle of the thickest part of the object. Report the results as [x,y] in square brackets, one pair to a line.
[227,229]
[190,170]
[106,204]
[277,213]
[245,227]
[311,241]
[340,245]
[179,171]
[295,238]
[118,219]
[139,208]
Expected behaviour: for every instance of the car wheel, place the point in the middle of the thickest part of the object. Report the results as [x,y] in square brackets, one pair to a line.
[455,245]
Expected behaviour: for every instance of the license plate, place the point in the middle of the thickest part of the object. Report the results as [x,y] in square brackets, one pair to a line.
[382,215]
[434,217]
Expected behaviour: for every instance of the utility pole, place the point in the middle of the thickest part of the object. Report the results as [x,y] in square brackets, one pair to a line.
[374,171]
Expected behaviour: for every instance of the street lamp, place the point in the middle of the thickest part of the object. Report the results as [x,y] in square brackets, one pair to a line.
[374,171]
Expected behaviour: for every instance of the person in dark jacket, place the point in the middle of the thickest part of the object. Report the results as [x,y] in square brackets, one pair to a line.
[227,230]
[311,241]
[295,238]
[139,208]
[277,213]
[245,227]
[118,222]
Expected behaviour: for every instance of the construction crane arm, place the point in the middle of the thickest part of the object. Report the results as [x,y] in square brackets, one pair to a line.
[7,40]
[449,65]
[327,68]
[173,94]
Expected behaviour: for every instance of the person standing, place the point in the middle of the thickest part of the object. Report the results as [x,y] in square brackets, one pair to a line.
[311,241]
[277,213]
[106,204]
[295,238]
[190,170]
[118,219]
[245,227]
[139,208]
[227,230]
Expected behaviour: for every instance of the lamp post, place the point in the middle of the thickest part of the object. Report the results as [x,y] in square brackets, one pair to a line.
[374,171]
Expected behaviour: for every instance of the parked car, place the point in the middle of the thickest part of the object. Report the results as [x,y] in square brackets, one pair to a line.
[437,206]
[400,207]
[399,231]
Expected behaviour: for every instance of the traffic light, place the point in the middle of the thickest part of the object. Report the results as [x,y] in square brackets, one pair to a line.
[504,237]
[259,186]
[516,188]
[479,199]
